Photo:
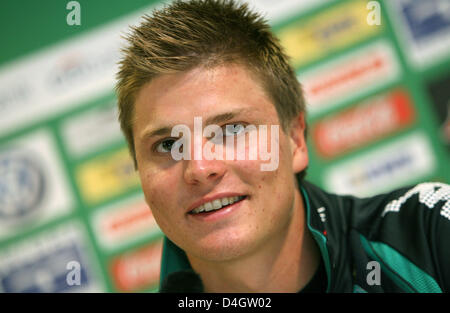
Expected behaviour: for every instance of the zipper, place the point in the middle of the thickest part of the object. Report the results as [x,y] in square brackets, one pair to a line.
[320,239]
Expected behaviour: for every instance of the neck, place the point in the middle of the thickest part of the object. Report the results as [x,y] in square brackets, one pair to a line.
[285,264]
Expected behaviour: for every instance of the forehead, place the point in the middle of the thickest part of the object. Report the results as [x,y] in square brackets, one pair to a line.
[177,98]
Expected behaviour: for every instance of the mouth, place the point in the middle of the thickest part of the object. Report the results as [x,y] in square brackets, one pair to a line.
[216,205]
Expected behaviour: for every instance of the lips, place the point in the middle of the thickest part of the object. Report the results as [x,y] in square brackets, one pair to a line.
[216,204]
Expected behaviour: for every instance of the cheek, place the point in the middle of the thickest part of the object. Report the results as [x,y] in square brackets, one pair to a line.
[274,188]
[159,196]
[156,190]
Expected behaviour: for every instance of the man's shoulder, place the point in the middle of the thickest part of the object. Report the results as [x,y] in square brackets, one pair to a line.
[422,196]
[405,229]
[391,217]
[409,234]
[428,195]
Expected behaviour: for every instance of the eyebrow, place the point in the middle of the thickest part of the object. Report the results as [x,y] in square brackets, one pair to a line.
[217,119]
[220,118]
[157,132]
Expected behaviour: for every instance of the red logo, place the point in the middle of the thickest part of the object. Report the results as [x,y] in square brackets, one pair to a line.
[368,121]
[349,76]
[137,270]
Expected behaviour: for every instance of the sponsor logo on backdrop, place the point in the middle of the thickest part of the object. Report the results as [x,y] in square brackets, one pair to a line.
[370,120]
[138,269]
[276,11]
[106,176]
[440,94]
[74,69]
[13,95]
[40,264]
[60,77]
[394,165]
[323,34]
[349,76]
[33,186]
[92,130]
[124,223]
[424,28]
[22,186]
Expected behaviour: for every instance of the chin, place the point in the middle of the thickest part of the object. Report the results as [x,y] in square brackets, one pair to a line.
[224,247]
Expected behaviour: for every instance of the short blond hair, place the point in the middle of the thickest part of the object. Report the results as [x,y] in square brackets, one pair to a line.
[189,34]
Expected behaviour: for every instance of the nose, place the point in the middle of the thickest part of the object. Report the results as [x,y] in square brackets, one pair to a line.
[198,172]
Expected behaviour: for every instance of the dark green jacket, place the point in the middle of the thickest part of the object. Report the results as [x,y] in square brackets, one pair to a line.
[407,233]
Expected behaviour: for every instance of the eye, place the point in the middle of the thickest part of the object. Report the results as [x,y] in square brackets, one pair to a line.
[233,129]
[165,146]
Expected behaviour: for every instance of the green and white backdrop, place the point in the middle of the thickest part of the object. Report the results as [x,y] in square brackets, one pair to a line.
[72,214]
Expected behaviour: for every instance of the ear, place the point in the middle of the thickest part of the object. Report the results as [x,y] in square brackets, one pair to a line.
[298,143]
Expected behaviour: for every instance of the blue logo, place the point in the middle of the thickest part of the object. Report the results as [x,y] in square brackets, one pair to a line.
[46,272]
[426,18]
[22,186]
[387,168]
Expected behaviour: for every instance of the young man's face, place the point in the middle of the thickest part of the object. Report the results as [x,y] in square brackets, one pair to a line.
[228,95]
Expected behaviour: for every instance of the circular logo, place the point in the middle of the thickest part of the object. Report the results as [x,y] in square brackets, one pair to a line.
[22,186]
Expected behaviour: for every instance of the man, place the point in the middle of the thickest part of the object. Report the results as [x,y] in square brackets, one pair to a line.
[236,225]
